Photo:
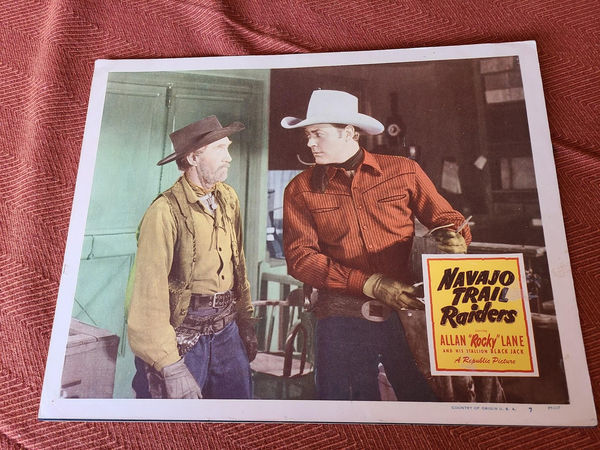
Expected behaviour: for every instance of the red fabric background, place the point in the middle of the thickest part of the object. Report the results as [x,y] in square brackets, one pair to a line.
[47,53]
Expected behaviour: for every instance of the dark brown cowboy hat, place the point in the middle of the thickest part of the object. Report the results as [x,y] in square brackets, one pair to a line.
[198,134]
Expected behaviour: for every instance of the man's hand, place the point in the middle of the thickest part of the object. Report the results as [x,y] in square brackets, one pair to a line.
[179,382]
[248,335]
[392,292]
[449,241]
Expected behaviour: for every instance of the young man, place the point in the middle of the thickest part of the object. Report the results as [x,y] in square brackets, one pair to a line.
[189,321]
[347,231]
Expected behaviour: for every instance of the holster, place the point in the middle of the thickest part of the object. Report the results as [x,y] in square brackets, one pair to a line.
[207,314]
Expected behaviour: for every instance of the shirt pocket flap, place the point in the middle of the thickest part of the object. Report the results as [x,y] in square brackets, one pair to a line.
[319,204]
[392,198]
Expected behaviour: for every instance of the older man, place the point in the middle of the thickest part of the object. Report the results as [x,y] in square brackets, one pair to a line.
[189,321]
[348,229]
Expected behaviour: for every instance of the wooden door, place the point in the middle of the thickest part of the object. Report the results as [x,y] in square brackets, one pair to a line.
[131,141]
[140,111]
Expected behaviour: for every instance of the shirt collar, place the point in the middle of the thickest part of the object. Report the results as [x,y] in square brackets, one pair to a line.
[190,195]
[369,161]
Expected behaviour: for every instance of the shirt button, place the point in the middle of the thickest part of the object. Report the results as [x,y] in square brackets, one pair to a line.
[183,312]
[364,227]
[359,207]
[220,249]
[222,277]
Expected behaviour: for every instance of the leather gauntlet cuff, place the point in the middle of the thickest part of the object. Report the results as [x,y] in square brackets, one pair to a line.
[248,336]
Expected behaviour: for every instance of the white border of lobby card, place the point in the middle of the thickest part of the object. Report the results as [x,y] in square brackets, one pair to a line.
[580,410]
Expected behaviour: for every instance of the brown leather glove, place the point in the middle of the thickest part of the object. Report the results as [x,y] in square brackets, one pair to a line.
[392,292]
[248,335]
[179,382]
[449,241]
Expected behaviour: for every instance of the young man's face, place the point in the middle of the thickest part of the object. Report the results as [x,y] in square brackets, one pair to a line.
[330,144]
[212,163]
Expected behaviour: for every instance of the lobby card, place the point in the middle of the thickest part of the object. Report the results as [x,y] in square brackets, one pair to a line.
[500,320]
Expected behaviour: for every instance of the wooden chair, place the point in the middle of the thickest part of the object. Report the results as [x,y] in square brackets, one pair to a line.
[283,367]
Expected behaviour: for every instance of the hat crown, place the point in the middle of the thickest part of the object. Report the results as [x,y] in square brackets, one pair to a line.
[194,131]
[198,134]
[328,106]
[325,102]
[207,125]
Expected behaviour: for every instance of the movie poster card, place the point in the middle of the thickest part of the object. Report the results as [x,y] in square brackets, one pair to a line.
[500,339]
[479,319]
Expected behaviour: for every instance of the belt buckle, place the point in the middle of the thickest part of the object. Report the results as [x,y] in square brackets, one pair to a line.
[375,311]
[220,300]
[217,300]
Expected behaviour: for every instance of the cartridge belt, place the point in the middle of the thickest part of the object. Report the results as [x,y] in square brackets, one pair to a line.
[207,314]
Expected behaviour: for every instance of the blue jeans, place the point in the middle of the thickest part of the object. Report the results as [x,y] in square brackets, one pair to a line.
[218,362]
[348,353]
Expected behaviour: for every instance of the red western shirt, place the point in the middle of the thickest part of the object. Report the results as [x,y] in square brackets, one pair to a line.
[361,225]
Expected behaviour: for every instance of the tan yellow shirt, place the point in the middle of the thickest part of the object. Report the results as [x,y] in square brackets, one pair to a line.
[213,271]
[150,330]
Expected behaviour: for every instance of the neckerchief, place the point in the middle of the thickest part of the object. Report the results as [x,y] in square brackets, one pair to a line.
[318,179]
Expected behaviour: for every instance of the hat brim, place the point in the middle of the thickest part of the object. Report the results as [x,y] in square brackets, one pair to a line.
[209,138]
[365,123]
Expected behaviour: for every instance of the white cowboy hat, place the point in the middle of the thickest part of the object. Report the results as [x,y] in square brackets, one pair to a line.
[327,106]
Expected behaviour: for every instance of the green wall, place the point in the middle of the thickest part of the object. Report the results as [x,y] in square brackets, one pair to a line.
[140,110]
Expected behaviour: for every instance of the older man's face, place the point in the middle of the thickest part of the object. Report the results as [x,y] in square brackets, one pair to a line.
[213,162]
[328,143]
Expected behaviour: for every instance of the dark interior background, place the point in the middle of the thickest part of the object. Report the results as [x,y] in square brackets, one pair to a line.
[442,109]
